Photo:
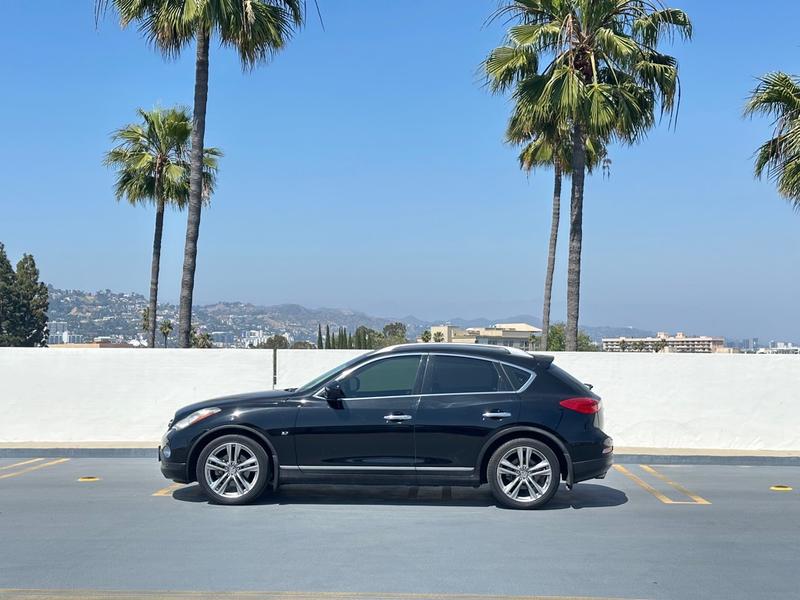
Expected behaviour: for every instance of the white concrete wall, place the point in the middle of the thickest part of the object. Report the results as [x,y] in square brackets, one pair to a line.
[739,402]
[115,394]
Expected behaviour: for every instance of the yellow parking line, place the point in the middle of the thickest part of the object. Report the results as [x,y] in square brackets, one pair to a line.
[34,468]
[19,464]
[167,491]
[697,499]
[643,484]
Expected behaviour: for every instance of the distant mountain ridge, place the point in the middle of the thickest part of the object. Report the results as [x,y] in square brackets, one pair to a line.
[107,313]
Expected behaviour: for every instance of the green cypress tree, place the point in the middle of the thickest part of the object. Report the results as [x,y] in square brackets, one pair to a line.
[33,295]
[319,336]
[327,337]
[9,302]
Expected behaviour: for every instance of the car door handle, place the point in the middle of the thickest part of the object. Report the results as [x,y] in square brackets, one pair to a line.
[397,417]
[496,415]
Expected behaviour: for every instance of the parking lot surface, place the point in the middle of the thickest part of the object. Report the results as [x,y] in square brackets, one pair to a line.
[646,531]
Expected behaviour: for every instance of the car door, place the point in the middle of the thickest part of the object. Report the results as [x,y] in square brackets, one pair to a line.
[464,401]
[368,431]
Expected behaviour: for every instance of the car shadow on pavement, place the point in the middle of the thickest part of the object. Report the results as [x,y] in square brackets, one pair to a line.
[585,495]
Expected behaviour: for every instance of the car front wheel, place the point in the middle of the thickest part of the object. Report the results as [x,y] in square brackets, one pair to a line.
[523,473]
[233,469]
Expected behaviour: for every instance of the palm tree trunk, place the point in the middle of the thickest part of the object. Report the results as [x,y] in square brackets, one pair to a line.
[551,254]
[154,269]
[195,188]
[575,239]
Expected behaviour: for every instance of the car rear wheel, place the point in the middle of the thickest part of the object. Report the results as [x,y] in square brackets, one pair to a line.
[523,473]
[233,469]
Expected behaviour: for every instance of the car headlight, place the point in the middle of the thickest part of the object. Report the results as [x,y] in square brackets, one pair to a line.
[195,417]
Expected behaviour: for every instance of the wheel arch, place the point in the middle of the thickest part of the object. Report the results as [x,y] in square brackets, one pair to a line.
[212,434]
[557,445]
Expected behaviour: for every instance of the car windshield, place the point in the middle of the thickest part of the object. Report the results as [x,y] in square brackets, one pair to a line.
[327,374]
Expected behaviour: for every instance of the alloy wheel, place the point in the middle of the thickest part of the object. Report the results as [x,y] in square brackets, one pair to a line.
[524,474]
[231,470]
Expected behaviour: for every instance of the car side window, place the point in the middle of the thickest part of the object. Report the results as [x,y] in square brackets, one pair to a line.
[387,377]
[517,377]
[462,375]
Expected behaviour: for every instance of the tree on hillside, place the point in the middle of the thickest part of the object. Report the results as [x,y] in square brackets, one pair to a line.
[276,341]
[256,29]
[302,345]
[151,159]
[166,330]
[368,339]
[201,340]
[144,324]
[394,333]
[24,301]
[320,343]
[777,96]
[327,337]
[594,65]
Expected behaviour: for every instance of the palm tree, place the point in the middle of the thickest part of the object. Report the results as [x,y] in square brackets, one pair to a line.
[166,330]
[548,144]
[777,95]
[151,162]
[602,75]
[256,29]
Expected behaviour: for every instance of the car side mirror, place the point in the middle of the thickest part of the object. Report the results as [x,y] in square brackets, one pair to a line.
[333,391]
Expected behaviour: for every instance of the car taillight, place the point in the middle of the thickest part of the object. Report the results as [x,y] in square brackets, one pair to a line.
[585,406]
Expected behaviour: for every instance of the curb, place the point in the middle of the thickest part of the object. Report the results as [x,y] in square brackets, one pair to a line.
[623,459]
[79,452]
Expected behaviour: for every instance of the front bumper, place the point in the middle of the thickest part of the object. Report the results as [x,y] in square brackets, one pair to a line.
[176,471]
[592,469]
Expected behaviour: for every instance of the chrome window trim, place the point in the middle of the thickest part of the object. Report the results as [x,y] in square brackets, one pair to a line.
[344,374]
[491,360]
[347,372]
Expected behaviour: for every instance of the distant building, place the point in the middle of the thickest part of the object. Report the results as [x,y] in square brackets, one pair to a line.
[664,342]
[512,335]
[254,337]
[222,339]
[780,348]
[59,334]
[96,344]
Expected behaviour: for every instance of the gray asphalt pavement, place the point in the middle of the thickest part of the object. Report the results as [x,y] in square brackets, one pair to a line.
[671,531]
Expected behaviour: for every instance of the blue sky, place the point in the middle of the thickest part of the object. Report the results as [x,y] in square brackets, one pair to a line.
[365,168]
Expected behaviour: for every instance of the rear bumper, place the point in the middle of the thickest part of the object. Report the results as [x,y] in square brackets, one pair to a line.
[592,469]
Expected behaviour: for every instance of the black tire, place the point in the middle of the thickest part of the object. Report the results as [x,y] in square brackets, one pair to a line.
[529,497]
[248,449]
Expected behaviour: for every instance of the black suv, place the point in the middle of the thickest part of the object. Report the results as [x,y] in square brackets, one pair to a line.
[415,414]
